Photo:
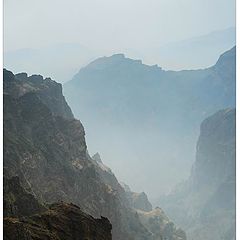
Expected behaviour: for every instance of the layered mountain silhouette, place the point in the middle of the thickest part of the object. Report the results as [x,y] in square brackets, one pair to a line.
[130,104]
[53,189]
[62,60]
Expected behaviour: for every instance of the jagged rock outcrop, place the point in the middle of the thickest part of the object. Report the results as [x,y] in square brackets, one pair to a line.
[137,200]
[204,205]
[47,90]
[62,221]
[25,218]
[45,147]
[160,226]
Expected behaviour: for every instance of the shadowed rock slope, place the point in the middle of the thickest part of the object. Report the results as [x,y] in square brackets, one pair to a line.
[26,219]
[45,147]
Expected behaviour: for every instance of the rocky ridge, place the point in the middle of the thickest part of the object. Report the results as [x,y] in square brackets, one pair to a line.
[45,147]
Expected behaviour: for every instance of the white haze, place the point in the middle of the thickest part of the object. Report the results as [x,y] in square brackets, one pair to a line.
[112,24]
[105,27]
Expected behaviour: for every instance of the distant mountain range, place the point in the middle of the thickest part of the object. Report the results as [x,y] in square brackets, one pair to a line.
[62,61]
[146,118]
[194,53]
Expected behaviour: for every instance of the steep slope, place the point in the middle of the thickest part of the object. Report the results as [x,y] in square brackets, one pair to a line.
[137,200]
[154,220]
[140,201]
[61,221]
[205,204]
[17,201]
[45,147]
[141,103]
[159,225]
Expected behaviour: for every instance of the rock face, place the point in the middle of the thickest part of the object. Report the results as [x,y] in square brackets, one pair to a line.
[135,101]
[160,226]
[137,200]
[205,204]
[25,218]
[140,201]
[47,90]
[60,221]
[45,147]
[155,220]
[17,201]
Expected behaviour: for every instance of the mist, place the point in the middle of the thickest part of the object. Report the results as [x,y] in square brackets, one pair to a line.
[56,39]
[150,85]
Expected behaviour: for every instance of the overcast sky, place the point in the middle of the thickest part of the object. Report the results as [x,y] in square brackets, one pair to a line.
[111,24]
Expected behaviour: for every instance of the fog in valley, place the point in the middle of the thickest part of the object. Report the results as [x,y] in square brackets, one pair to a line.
[153,84]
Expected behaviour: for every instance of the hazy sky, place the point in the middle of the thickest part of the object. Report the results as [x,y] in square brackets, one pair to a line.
[104,27]
[111,24]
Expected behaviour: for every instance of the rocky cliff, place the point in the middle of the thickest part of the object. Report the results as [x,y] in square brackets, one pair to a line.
[26,218]
[45,147]
[204,205]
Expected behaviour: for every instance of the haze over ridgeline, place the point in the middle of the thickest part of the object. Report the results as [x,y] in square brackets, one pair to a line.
[145,120]
[119,119]
[57,38]
[47,162]
[62,60]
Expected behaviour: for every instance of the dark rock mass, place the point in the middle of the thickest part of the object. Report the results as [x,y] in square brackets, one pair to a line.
[46,154]
[25,218]
[18,201]
[60,221]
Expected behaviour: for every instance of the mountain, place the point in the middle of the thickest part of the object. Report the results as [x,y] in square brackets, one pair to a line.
[194,53]
[62,60]
[205,204]
[47,166]
[145,107]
